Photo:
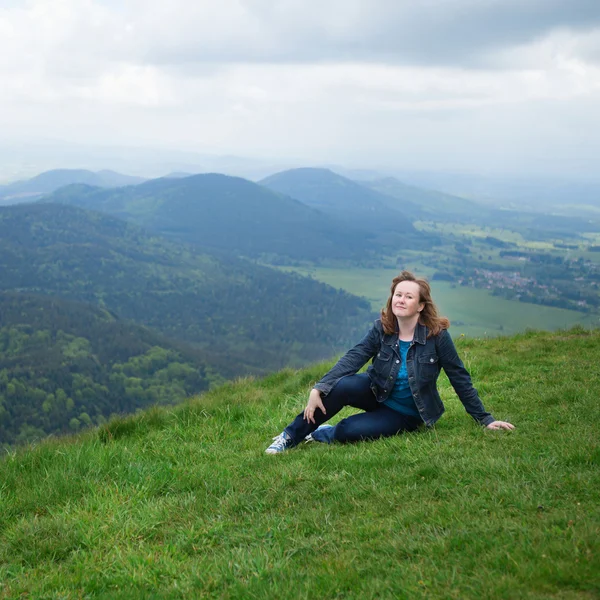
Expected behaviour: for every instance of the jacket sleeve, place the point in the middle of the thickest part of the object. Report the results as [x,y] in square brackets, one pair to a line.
[353,360]
[460,379]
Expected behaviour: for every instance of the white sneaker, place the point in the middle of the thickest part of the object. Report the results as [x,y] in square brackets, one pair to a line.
[281,443]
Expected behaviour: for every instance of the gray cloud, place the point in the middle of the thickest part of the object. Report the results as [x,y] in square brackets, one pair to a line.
[432,32]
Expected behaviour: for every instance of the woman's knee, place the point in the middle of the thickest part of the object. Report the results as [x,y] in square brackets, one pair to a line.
[372,426]
[350,430]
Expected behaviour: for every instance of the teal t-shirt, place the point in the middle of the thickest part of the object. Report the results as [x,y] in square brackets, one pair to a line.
[401,398]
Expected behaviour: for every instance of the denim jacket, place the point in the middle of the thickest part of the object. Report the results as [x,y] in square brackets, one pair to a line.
[426,356]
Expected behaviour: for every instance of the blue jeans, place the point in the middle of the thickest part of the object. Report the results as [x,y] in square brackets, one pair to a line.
[377,421]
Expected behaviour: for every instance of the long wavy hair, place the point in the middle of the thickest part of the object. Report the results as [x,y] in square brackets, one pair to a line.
[429,315]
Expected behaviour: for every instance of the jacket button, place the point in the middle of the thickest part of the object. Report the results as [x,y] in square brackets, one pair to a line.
[431,360]
[385,390]
[397,361]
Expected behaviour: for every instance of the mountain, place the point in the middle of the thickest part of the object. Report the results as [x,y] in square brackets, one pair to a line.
[49,181]
[178,175]
[431,202]
[225,213]
[64,365]
[530,193]
[336,195]
[442,206]
[262,319]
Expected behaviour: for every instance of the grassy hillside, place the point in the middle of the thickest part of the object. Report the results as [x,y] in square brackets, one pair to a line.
[183,502]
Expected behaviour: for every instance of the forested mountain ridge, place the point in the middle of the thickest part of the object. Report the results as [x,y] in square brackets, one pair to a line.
[49,181]
[65,365]
[334,194]
[263,319]
[378,203]
[224,213]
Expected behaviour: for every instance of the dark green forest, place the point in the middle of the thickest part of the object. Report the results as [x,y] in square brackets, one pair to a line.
[66,365]
[221,303]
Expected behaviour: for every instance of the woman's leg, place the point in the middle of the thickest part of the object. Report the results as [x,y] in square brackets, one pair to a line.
[353,390]
[382,422]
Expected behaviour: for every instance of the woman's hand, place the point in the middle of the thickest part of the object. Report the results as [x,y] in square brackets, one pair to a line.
[314,402]
[500,425]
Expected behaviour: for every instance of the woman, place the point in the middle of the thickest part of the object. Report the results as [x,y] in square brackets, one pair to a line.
[408,345]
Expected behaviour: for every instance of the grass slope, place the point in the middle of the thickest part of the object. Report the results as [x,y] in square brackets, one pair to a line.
[184,503]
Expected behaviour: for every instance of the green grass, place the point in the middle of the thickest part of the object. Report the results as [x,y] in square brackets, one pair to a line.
[183,502]
[474,312]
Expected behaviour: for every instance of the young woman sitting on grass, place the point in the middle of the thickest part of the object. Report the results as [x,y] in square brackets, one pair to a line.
[408,345]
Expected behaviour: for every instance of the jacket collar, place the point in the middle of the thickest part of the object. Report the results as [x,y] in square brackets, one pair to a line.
[420,336]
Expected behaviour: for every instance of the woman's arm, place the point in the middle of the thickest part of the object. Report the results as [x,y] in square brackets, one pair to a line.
[461,382]
[353,360]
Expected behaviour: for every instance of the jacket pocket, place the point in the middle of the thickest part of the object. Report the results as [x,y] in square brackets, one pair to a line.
[428,367]
[384,354]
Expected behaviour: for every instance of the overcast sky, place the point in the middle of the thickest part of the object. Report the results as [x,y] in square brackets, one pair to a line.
[488,86]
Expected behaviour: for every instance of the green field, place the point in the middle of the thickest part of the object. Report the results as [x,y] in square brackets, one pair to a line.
[474,312]
[183,503]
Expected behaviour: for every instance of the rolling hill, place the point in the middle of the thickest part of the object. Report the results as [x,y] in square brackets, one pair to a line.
[337,195]
[229,214]
[447,207]
[433,203]
[47,182]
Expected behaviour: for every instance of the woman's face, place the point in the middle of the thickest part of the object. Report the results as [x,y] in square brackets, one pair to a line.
[405,301]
